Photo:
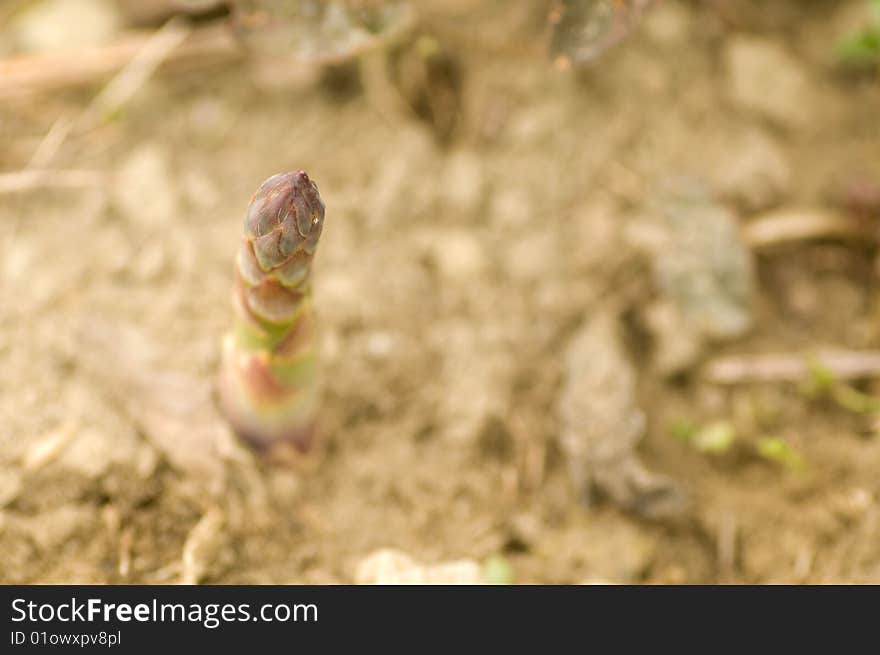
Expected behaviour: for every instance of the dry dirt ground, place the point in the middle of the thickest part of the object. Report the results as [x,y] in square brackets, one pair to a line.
[457,258]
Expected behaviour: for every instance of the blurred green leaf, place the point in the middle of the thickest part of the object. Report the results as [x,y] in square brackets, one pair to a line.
[860,49]
[854,400]
[776,449]
[683,429]
[715,438]
[863,48]
[820,379]
[497,570]
[821,382]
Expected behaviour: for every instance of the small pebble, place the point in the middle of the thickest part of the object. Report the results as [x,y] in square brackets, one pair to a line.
[396,567]
[65,24]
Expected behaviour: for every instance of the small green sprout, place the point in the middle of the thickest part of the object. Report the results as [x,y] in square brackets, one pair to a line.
[776,449]
[863,48]
[820,379]
[716,438]
[854,400]
[497,570]
[821,382]
[683,429]
[268,387]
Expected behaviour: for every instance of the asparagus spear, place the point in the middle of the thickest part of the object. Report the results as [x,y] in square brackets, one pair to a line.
[267,388]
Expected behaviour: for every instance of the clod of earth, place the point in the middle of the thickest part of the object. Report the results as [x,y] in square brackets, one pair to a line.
[602,425]
[267,385]
[704,272]
[171,408]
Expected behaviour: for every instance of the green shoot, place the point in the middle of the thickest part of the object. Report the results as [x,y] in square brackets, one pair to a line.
[820,379]
[268,388]
[862,49]
[821,382]
[683,429]
[716,438]
[855,401]
[776,449]
[497,570]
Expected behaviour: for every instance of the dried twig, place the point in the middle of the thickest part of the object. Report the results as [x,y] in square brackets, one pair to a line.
[29,75]
[51,143]
[118,91]
[203,546]
[48,448]
[792,367]
[114,96]
[28,180]
[726,546]
[791,225]
[122,87]
[126,542]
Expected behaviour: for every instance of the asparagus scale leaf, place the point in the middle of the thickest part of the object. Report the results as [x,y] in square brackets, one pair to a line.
[267,388]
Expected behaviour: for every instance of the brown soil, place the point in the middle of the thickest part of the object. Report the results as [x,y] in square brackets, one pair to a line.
[457,257]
